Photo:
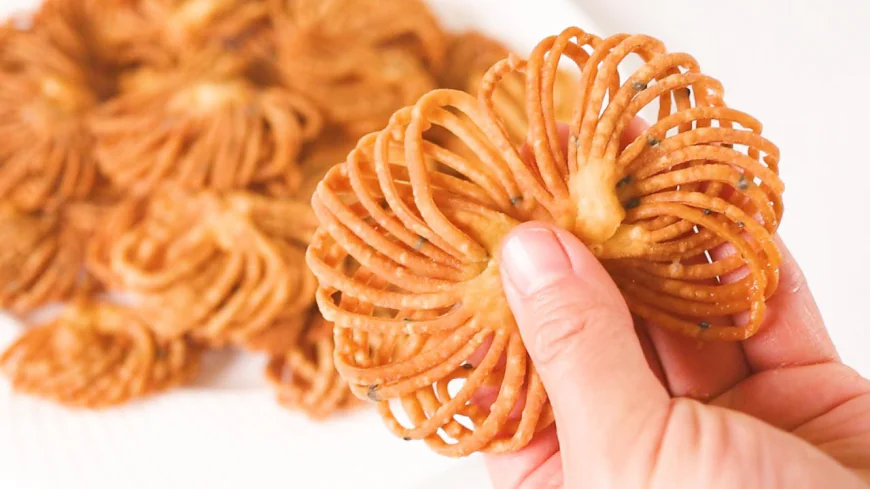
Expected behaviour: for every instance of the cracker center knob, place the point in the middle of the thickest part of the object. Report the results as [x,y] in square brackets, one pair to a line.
[599,211]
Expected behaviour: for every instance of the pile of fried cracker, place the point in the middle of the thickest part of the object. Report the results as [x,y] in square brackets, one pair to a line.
[157,159]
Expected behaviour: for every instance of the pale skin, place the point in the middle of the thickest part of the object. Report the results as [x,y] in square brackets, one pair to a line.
[639,407]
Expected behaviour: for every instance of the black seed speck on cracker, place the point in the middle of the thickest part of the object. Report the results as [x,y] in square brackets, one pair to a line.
[631,204]
[625,181]
[704,324]
[638,86]
[707,212]
[467,366]
[652,141]
[740,224]
[516,200]
[742,183]
[372,393]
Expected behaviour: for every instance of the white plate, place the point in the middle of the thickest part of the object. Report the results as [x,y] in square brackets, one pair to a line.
[226,431]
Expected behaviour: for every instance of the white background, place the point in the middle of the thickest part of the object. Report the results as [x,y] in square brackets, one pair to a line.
[799,66]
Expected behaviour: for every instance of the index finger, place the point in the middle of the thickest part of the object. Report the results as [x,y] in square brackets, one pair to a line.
[793,332]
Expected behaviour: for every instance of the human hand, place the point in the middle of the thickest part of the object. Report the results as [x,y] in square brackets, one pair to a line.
[639,407]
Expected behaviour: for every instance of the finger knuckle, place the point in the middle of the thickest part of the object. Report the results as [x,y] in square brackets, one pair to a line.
[703,444]
[561,316]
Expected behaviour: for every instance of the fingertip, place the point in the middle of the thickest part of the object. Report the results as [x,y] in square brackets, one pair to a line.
[568,310]
[632,130]
[532,256]
[563,253]
[511,470]
[564,133]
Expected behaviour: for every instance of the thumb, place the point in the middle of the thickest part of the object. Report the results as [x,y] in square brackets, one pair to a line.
[580,336]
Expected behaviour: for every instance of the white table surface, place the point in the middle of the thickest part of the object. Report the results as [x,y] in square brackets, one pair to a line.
[798,66]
